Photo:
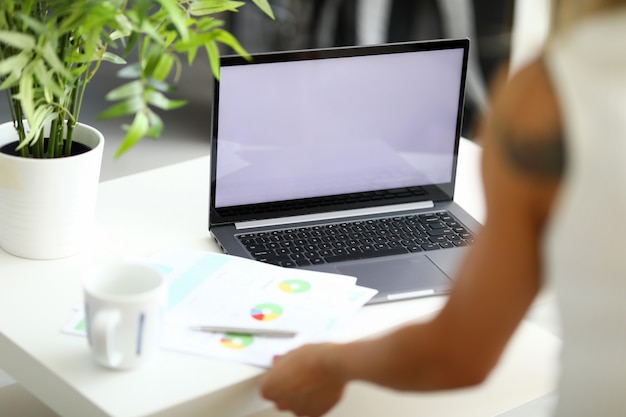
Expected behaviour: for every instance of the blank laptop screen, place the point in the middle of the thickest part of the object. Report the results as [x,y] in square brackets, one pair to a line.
[318,127]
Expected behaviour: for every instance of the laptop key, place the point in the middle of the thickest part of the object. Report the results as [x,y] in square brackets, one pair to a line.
[262,253]
[439,232]
[431,246]
[276,259]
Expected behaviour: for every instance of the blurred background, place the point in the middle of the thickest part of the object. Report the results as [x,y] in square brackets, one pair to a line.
[317,24]
[303,24]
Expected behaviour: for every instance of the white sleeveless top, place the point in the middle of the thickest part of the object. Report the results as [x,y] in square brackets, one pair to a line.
[585,243]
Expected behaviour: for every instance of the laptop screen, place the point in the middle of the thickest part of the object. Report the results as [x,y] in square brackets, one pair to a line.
[311,124]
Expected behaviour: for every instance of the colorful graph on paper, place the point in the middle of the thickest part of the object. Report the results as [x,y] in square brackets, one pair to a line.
[211,289]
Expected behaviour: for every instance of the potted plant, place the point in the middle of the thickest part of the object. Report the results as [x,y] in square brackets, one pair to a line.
[49,51]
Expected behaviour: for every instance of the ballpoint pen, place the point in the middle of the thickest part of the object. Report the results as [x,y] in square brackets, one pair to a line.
[245,330]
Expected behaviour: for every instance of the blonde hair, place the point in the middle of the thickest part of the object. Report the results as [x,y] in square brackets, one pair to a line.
[567,12]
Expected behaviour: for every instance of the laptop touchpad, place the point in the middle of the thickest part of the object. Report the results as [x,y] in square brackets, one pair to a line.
[399,275]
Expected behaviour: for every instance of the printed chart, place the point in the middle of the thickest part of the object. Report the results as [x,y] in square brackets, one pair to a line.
[236,341]
[210,289]
[294,286]
[266,312]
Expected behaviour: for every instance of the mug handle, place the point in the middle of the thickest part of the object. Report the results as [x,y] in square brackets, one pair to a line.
[103,327]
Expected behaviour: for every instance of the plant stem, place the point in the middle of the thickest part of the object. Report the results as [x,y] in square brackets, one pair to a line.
[68,139]
[57,128]
[71,123]
[53,139]
[19,118]
[38,147]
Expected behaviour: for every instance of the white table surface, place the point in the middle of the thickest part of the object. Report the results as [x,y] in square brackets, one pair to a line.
[141,214]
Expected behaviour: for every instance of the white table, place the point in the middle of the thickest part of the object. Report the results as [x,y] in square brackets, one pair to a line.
[143,213]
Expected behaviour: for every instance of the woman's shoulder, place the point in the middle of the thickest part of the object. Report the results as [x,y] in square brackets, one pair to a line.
[527,115]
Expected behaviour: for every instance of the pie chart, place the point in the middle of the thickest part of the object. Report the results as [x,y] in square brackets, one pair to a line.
[294,286]
[266,312]
[236,341]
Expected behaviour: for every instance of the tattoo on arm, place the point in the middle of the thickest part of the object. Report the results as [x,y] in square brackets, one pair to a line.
[543,157]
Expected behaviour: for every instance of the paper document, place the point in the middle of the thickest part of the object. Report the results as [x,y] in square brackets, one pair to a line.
[211,289]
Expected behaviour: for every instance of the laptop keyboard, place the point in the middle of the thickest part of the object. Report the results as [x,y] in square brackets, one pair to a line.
[354,240]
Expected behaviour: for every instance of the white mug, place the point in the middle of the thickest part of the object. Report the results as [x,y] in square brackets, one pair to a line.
[124,313]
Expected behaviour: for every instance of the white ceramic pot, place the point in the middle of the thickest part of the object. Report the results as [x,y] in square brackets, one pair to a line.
[47,205]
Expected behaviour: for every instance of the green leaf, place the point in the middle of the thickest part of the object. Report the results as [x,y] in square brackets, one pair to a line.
[125,27]
[131,89]
[170,37]
[226,38]
[156,125]
[196,41]
[265,7]
[158,85]
[18,40]
[27,95]
[151,31]
[192,52]
[130,43]
[115,59]
[11,81]
[151,57]
[15,63]
[206,24]
[50,55]
[42,116]
[214,58]
[129,106]
[142,8]
[159,100]
[136,132]
[205,7]
[47,81]
[80,58]
[163,67]
[130,71]
[34,24]
[176,14]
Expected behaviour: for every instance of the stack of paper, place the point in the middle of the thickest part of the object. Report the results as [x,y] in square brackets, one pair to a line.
[210,289]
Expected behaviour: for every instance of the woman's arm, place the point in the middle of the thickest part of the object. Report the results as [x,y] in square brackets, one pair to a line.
[495,285]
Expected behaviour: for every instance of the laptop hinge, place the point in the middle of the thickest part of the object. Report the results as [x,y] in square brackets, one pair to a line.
[334,215]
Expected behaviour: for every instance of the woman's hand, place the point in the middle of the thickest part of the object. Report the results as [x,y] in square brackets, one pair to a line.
[303,381]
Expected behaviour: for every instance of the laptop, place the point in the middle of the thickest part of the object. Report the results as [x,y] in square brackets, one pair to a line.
[343,160]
